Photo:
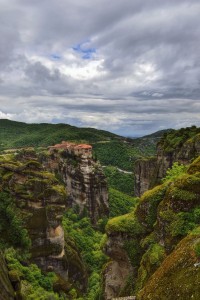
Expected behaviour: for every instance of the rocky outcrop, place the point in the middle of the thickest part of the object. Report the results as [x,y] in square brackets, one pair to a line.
[42,200]
[145,173]
[83,178]
[6,289]
[178,275]
[149,172]
[149,235]
[182,153]
[118,270]
[123,248]
[43,185]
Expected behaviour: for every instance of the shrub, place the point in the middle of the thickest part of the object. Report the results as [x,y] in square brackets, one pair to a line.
[120,203]
[197,249]
[133,250]
[176,170]
[184,222]
[12,231]
[89,242]
[147,208]
[38,285]
[120,181]
[126,223]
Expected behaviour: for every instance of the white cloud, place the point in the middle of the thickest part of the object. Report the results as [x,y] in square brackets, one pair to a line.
[141,70]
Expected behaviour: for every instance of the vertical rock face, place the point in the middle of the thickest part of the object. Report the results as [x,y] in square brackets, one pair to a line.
[123,247]
[145,172]
[178,275]
[149,172]
[118,270]
[6,289]
[179,270]
[42,187]
[42,200]
[162,261]
[84,181]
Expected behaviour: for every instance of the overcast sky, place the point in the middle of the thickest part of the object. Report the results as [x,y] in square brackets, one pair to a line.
[128,66]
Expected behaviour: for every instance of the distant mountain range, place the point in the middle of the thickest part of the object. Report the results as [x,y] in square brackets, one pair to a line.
[110,149]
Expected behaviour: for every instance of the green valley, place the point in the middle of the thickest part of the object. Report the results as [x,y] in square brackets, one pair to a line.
[72,229]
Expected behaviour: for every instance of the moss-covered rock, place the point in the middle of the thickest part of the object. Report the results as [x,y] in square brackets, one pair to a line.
[84,179]
[126,223]
[150,261]
[40,201]
[181,146]
[6,289]
[178,275]
[76,268]
[147,209]
[149,235]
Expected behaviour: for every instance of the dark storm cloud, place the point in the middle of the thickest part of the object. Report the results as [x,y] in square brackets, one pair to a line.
[132,66]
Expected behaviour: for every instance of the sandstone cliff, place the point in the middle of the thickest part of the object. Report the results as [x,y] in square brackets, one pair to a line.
[146,240]
[178,274]
[118,270]
[83,178]
[144,175]
[39,187]
[176,146]
[41,201]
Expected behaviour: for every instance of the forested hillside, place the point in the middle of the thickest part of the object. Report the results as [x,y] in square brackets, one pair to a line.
[68,233]
[109,148]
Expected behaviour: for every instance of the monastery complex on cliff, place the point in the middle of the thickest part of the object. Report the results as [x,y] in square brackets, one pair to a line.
[76,149]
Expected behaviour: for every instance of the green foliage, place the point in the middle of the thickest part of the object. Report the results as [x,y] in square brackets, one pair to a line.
[89,242]
[94,287]
[186,188]
[16,134]
[197,249]
[101,224]
[177,277]
[120,181]
[104,240]
[147,208]
[156,254]
[114,153]
[109,149]
[195,231]
[121,154]
[133,250]
[176,138]
[176,170]
[194,166]
[35,285]
[184,195]
[150,261]
[86,238]
[126,223]
[120,203]
[148,240]
[73,294]
[183,222]
[12,232]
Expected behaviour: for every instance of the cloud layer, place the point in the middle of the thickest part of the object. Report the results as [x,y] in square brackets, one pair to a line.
[131,67]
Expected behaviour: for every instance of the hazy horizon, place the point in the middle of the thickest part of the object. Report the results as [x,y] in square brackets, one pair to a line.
[126,136]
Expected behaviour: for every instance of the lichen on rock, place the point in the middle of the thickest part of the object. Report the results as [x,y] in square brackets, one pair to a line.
[41,200]
[83,178]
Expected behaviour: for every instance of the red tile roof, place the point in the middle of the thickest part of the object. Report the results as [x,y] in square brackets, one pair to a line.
[83,146]
[65,145]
